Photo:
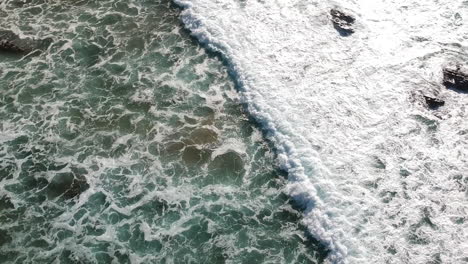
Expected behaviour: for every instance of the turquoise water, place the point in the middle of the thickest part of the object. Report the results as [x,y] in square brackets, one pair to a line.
[124,141]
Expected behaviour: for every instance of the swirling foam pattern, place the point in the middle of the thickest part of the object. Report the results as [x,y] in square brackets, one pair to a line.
[125,142]
[382,178]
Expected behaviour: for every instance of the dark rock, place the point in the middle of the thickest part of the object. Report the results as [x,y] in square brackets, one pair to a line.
[7,46]
[433,103]
[456,79]
[342,22]
[10,43]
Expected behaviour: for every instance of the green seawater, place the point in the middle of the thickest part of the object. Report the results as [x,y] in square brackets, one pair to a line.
[124,141]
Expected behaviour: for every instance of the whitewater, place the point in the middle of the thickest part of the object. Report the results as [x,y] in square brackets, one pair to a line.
[382,178]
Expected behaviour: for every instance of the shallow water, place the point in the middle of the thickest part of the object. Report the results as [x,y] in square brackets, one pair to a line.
[124,141]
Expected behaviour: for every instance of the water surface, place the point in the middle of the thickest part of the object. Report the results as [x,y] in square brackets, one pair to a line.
[124,141]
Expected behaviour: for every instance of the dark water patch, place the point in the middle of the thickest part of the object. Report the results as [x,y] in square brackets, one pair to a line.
[227,168]
[68,185]
[4,237]
[194,156]
[432,125]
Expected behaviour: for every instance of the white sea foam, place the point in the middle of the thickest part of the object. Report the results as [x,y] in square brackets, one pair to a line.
[382,178]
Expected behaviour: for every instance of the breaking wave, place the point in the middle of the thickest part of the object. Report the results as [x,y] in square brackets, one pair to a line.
[382,178]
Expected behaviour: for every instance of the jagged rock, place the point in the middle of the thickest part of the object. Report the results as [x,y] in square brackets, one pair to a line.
[433,103]
[342,22]
[456,79]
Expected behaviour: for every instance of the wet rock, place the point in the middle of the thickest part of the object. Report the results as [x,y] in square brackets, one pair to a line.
[342,22]
[7,46]
[11,43]
[456,79]
[433,103]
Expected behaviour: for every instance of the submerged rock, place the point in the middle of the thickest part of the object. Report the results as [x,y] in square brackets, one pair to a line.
[193,155]
[456,79]
[78,186]
[4,237]
[5,203]
[68,185]
[227,168]
[203,135]
[433,103]
[342,22]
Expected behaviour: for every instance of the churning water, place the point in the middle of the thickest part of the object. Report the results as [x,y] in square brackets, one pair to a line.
[382,178]
[124,141]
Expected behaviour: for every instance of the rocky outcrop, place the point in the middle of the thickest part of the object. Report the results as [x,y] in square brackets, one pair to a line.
[429,98]
[456,79]
[433,103]
[342,22]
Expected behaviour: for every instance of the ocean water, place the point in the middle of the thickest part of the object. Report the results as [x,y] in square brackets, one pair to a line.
[381,178]
[125,141]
